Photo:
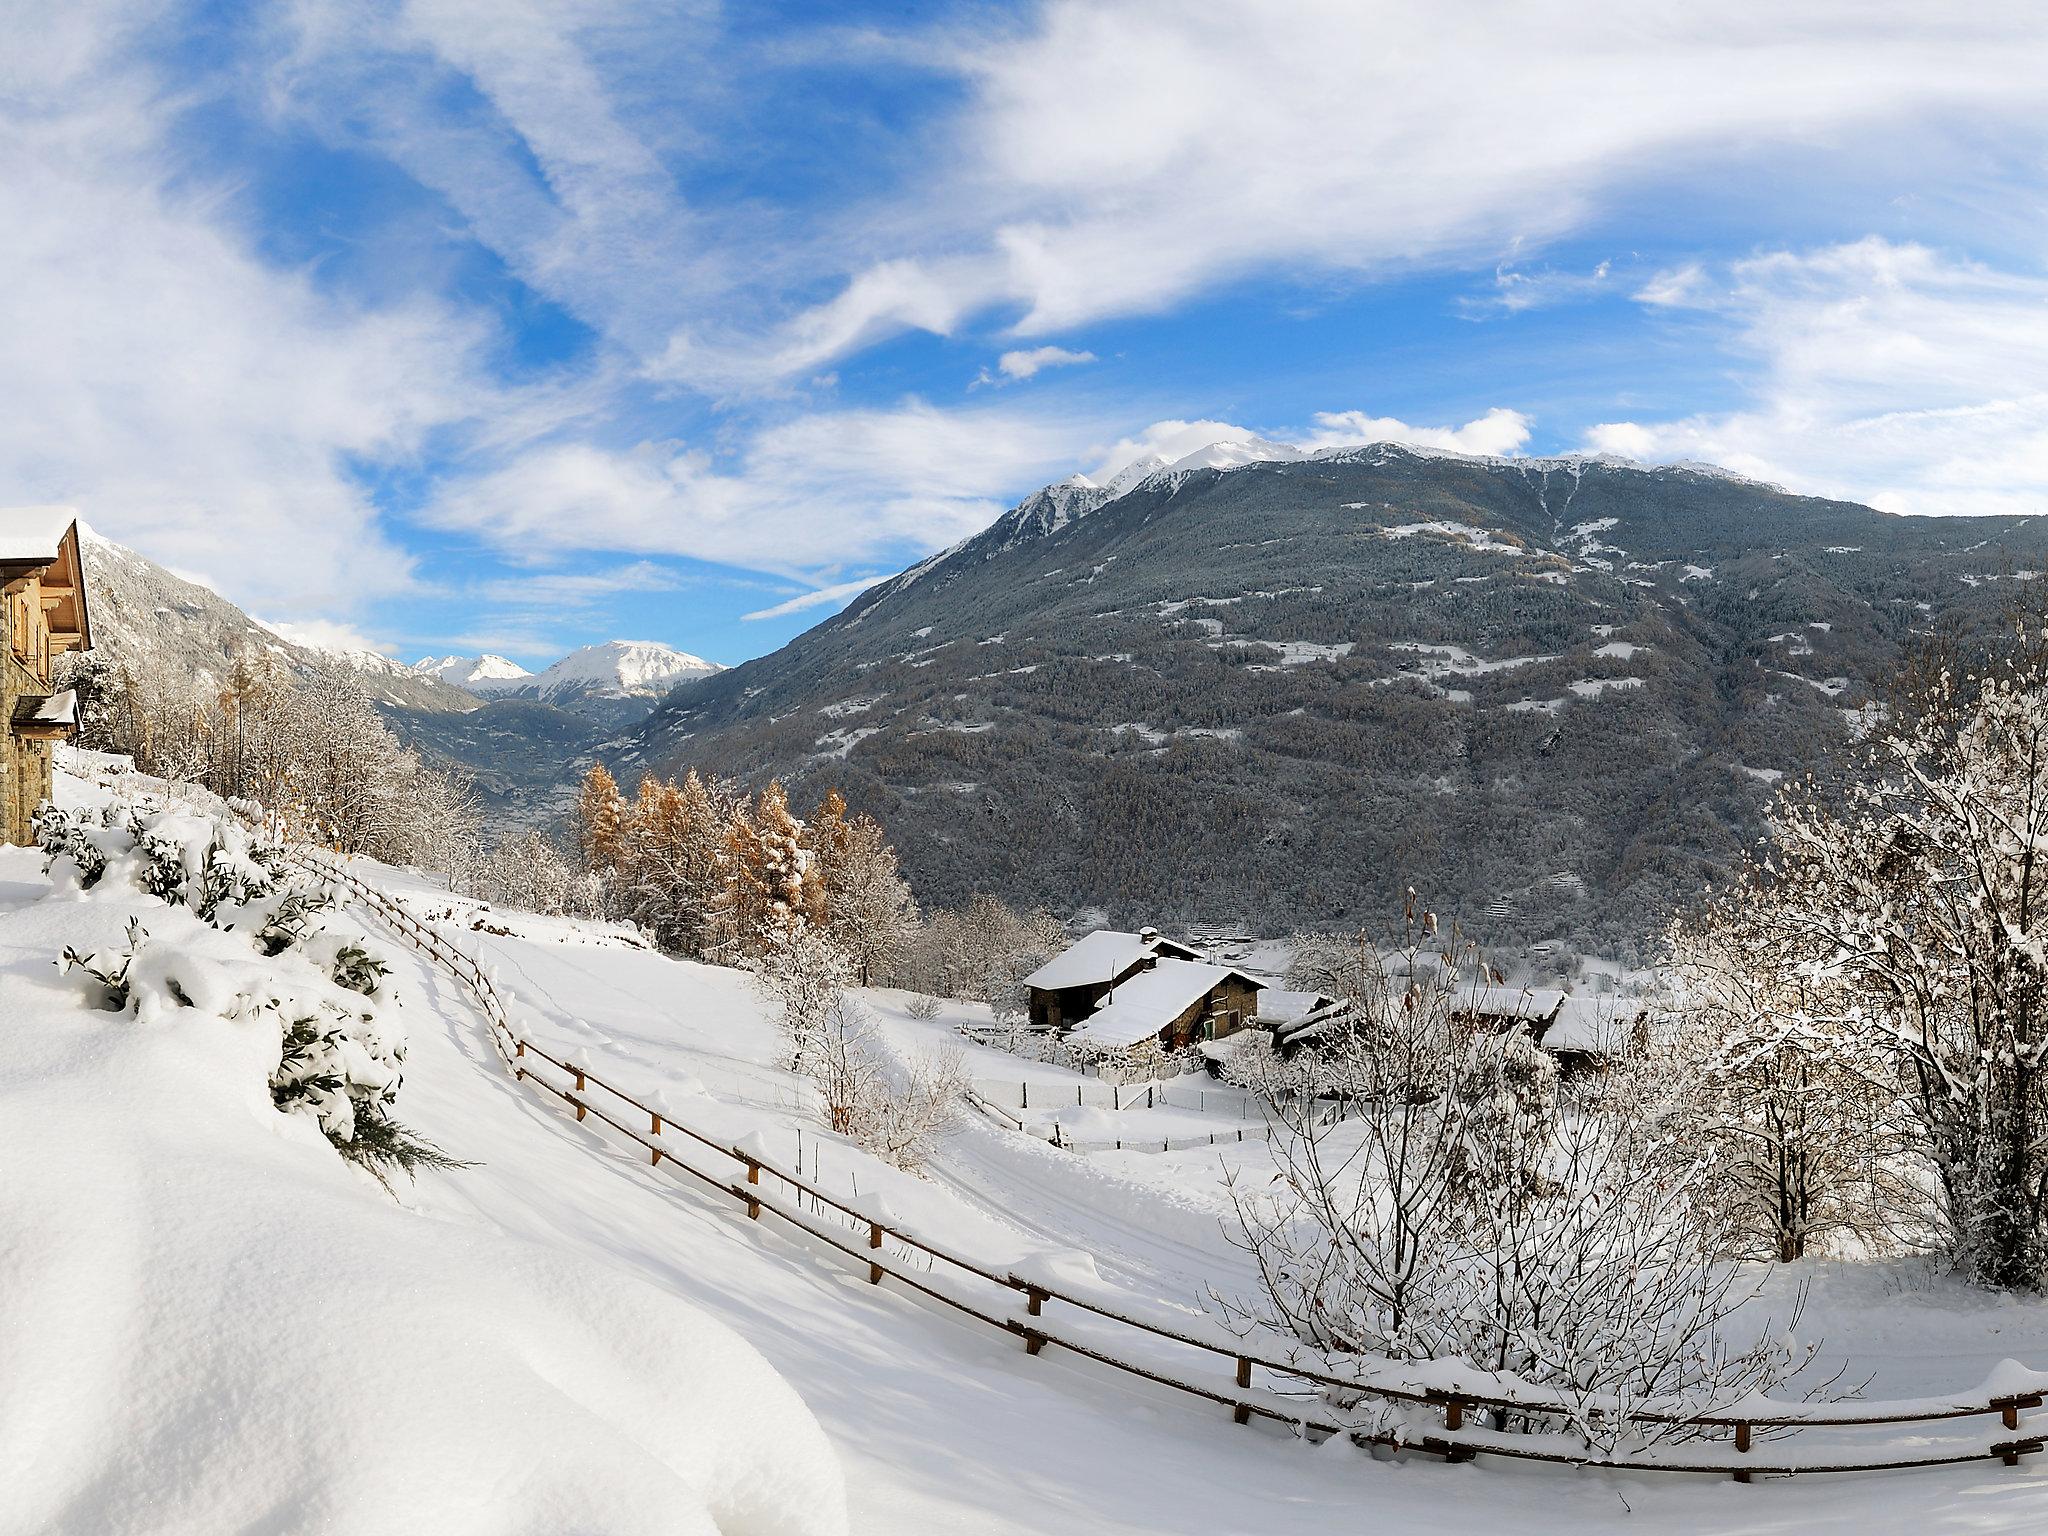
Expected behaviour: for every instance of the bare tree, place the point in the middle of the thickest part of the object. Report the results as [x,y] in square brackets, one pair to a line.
[1467,1210]
[1798,1102]
[1921,894]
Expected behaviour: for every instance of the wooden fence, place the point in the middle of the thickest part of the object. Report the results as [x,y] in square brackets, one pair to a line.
[1262,1384]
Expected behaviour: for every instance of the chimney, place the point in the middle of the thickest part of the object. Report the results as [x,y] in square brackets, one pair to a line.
[1149,937]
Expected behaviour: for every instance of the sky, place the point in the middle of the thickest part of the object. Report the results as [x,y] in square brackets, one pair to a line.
[515,325]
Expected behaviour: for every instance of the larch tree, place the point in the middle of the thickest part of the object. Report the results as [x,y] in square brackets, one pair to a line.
[601,824]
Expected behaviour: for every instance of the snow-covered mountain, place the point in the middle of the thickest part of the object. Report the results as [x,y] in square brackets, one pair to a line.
[622,669]
[617,669]
[143,617]
[485,674]
[1272,689]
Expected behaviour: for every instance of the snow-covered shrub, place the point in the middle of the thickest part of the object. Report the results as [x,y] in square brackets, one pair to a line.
[533,875]
[805,975]
[923,1007]
[260,948]
[107,970]
[894,1116]
[73,836]
[980,953]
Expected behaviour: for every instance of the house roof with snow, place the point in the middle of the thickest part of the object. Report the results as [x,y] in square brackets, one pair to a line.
[1592,1026]
[45,540]
[1279,1006]
[1141,1007]
[34,535]
[45,714]
[1103,956]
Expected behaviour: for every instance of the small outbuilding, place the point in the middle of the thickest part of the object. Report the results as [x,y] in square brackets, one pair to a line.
[43,607]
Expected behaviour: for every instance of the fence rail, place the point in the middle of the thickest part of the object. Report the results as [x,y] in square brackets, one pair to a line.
[1293,1394]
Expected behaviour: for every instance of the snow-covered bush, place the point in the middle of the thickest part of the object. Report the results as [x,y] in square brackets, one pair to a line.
[533,875]
[897,1117]
[805,975]
[980,953]
[73,836]
[256,947]
[1466,1211]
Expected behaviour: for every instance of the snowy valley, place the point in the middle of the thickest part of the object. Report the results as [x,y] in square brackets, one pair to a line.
[562,1333]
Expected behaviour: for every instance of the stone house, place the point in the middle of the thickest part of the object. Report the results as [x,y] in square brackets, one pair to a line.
[43,610]
[1069,987]
[1113,991]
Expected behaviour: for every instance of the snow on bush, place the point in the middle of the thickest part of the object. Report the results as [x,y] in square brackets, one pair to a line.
[893,1110]
[1468,1211]
[262,948]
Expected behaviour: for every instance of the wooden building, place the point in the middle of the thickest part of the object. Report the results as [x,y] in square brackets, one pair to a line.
[1069,987]
[1174,1004]
[1115,991]
[42,596]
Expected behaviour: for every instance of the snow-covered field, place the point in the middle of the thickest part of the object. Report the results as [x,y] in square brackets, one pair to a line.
[214,1324]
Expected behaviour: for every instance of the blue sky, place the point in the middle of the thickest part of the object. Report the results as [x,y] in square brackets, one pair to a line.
[519,324]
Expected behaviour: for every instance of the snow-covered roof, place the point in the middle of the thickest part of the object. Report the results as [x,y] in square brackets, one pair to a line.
[1598,1026]
[1282,1007]
[1102,956]
[30,535]
[1151,1000]
[1531,1003]
[33,711]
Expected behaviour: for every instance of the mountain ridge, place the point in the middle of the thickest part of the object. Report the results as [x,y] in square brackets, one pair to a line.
[1277,693]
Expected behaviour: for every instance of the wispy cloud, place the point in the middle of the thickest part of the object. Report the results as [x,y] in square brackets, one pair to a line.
[838,593]
[189,395]
[1029,363]
[1515,290]
[1888,373]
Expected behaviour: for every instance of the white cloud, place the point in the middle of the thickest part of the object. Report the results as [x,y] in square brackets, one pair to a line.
[839,592]
[813,492]
[1516,290]
[1168,440]
[1114,157]
[192,399]
[1124,154]
[1498,433]
[326,635]
[1886,373]
[1025,364]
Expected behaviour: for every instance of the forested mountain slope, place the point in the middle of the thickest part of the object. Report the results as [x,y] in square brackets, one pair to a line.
[144,618]
[1554,695]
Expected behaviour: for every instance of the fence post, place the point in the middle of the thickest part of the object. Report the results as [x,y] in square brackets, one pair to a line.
[657,1123]
[874,1241]
[580,1106]
[1242,1414]
[522,1049]
[1742,1445]
[655,1160]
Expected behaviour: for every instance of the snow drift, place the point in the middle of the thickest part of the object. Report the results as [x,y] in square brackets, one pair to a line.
[214,1323]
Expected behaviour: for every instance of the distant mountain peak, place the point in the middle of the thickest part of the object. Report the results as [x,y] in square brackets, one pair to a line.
[479,674]
[612,669]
